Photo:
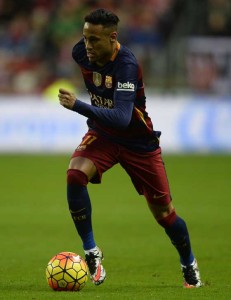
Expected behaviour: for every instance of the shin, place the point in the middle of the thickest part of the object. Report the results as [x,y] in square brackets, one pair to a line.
[80,206]
[176,229]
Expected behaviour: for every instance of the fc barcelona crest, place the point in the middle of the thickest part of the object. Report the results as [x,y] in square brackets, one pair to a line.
[97,78]
[108,81]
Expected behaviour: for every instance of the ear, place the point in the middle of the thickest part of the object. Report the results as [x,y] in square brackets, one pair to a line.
[113,36]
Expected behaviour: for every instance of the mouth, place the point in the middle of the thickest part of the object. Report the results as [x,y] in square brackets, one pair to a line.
[90,55]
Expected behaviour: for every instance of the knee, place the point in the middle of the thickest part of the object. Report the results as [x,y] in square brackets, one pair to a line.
[164,215]
[76,177]
[168,220]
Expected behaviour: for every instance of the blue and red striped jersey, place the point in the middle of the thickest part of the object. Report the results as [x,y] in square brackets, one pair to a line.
[118,102]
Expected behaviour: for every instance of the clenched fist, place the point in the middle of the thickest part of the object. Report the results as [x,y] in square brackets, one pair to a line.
[66,98]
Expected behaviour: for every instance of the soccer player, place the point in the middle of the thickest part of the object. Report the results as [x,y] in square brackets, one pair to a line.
[120,131]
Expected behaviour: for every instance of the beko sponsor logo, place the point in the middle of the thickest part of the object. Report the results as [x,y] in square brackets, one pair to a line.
[126,86]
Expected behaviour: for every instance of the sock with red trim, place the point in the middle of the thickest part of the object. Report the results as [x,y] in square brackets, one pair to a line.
[80,206]
[176,229]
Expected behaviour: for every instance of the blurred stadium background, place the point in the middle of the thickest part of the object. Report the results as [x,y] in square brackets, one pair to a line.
[183,46]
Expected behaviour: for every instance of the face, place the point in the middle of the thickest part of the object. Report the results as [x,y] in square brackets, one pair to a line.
[99,42]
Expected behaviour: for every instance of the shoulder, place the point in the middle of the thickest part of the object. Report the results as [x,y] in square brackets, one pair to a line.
[125,56]
[126,61]
[79,52]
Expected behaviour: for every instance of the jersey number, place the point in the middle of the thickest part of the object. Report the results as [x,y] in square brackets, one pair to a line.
[88,140]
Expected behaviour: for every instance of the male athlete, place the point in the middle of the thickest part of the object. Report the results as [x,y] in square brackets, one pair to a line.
[120,131]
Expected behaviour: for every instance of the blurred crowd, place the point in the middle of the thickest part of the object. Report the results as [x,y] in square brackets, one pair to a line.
[37,36]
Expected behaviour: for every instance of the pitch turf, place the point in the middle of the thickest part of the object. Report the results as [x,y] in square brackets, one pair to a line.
[139,259]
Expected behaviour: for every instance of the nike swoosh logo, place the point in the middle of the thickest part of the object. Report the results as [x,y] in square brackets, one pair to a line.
[157,197]
[98,274]
[77,211]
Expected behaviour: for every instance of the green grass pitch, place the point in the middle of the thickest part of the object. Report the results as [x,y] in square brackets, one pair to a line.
[140,261]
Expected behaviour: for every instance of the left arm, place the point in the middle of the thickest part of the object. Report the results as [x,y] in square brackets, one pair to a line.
[124,96]
[118,117]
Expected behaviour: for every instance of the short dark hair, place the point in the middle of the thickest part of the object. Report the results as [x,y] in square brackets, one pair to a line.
[103,17]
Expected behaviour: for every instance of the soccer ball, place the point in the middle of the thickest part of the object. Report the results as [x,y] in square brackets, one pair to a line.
[67,271]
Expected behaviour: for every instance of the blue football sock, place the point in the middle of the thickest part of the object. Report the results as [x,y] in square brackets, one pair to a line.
[80,209]
[179,236]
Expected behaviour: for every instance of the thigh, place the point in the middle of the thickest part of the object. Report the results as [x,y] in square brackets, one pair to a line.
[147,172]
[101,152]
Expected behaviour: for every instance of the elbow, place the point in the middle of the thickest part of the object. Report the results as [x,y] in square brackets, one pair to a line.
[123,123]
[124,117]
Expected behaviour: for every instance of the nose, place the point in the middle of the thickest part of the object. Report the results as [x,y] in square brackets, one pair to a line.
[88,45]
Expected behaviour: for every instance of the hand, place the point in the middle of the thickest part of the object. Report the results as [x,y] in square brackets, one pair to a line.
[66,99]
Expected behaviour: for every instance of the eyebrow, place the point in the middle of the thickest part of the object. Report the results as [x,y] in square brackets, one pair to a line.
[91,36]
